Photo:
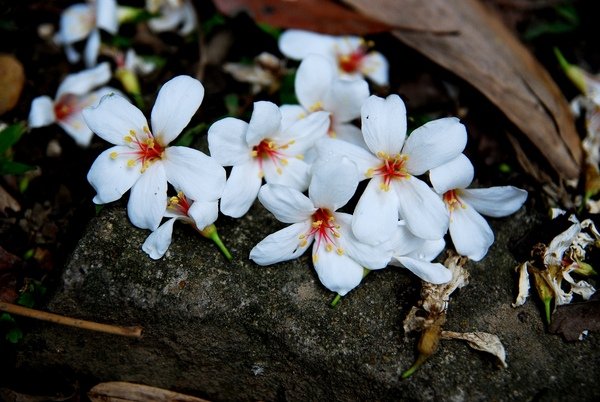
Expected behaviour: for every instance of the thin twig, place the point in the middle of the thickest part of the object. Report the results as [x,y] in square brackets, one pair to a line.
[135,331]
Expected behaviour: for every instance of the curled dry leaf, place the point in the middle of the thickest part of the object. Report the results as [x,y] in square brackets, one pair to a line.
[129,392]
[8,202]
[482,341]
[12,79]
[485,53]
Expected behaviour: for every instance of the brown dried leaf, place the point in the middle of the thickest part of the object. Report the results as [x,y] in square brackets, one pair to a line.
[312,15]
[572,320]
[128,392]
[12,79]
[485,53]
[8,202]
[482,341]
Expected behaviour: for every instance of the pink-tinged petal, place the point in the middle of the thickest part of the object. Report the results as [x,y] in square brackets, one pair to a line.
[77,129]
[345,99]
[113,118]
[204,213]
[368,256]
[176,103]
[92,49]
[288,205]
[338,273]
[384,124]
[295,174]
[304,133]
[428,250]
[495,201]
[227,141]
[106,15]
[424,211]
[157,244]
[430,272]
[241,189]
[376,214]
[297,44]
[282,245]
[434,143]
[471,234]
[314,79]
[456,174]
[76,23]
[331,149]
[42,112]
[148,198]
[350,133]
[111,178]
[84,81]
[291,114]
[375,66]
[199,176]
[264,123]
[333,183]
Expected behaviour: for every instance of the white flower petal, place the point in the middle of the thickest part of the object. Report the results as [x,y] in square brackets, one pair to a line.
[113,118]
[333,184]
[77,129]
[282,245]
[84,81]
[291,114]
[428,250]
[434,143]
[199,176]
[458,173]
[523,284]
[241,189]
[424,211]
[404,241]
[106,15]
[376,214]
[176,103]
[157,244]
[72,54]
[331,149]
[264,123]
[495,201]
[430,272]
[345,99]
[368,256]
[304,133]
[204,213]
[111,178]
[148,198]
[189,19]
[227,141]
[295,173]
[287,204]
[42,112]
[384,124]
[314,79]
[471,234]
[76,23]
[375,66]
[92,49]
[338,273]
[297,44]
[350,133]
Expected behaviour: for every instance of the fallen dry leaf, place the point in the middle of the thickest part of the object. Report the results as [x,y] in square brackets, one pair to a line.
[12,79]
[8,202]
[572,320]
[128,392]
[485,53]
[482,341]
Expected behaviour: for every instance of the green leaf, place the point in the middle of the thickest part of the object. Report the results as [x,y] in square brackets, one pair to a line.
[14,335]
[232,103]
[10,167]
[213,22]
[287,92]
[271,30]
[10,135]
[187,138]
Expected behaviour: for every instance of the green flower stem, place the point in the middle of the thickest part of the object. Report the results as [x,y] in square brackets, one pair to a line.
[574,73]
[336,300]
[547,305]
[210,232]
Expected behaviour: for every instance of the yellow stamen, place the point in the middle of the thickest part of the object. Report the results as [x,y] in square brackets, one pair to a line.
[113,155]
[131,163]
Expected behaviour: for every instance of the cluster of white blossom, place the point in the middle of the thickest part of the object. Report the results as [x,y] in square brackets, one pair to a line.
[303,162]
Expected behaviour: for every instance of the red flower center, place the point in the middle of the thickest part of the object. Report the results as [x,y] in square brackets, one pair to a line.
[66,105]
[392,168]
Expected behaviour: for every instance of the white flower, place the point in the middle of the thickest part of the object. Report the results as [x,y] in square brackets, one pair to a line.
[392,164]
[73,95]
[318,87]
[471,234]
[416,254]
[261,148]
[337,255]
[174,15]
[80,21]
[199,214]
[351,54]
[141,159]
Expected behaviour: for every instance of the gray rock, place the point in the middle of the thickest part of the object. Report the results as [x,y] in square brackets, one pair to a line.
[232,331]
